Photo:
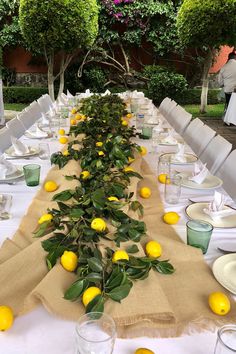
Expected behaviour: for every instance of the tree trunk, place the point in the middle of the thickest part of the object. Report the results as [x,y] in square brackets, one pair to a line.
[62,75]
[51,77]
[205,79]
[2,119]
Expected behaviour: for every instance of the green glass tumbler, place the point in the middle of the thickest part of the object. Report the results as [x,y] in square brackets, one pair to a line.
[199,234]
[32,174]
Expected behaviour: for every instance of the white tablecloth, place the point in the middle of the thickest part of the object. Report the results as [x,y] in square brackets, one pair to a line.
[40,332]
[230,115]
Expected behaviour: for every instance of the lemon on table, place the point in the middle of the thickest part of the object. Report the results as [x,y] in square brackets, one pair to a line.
[219,303]
[73,122]
[145,192]
[63,140]
[130,159]
[124,123]
[66,153]
[143,151]
[171,217]
[129,115]
[162,178]
[85,174]
[101,153]
[50,186]
[77,116]
[153,249]
[98,224]
[120,255]
[45,217]
[113,199]
[128,169]
[61,131]
[69,261]
[143,351]
[6,318]
[90,294]
[99,143]
[73,111]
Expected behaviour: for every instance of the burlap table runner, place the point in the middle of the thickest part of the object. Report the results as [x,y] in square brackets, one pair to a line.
[161,305]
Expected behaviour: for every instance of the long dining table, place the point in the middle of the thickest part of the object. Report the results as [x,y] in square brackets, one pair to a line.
[39,331]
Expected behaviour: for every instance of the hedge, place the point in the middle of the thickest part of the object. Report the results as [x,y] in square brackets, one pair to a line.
[17,94]
[193,96]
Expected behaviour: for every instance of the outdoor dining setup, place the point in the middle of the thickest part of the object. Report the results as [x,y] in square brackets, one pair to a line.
[118,224]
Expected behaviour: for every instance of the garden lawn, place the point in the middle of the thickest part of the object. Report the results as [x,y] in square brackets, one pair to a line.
[213,111]
[15,106]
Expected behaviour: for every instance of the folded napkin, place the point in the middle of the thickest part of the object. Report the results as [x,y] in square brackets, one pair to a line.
[38,133]
[19,147]
[44,120]
[200,173]
[179,156]
[6,168]
[169,139]
[217,208]
[68,94]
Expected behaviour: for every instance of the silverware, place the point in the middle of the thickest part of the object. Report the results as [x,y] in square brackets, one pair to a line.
[9,183]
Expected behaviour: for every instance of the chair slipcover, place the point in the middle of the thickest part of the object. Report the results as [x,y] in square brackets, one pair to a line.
[192,130]
[5,139]
[227,173]
[16,127]
[201,139]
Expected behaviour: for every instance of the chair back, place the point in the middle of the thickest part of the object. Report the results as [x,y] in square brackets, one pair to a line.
[5,139]
[227,173]
[16,127]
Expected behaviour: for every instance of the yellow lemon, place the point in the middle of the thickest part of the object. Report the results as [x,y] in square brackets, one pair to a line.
[61,131]
[73,122]
[63,140]
[83,117]
[153,249]
[66,153]
[171,217]
[50,186]
[73,111]
[90,294]
[98,224]
[145,192]
[78,116]
[143,351]
[99,143]
[124,123]
[129,115]
[45,217]
[101,153]
[131,159]
[162,178]
[119,255]
[143,151]
[6,318]
[69,261]
[113,199]
[219,303]
[85,174]
[128,169]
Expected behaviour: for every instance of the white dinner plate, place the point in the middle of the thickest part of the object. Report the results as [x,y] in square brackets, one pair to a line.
[28,135]
[17,174]
[195,211]
[32,151]
[210,182]
[167,144]
[224,270]
[190,158]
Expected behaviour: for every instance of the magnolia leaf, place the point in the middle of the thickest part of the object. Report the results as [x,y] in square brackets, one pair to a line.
[120,292]
[95,264]
[132,249]
[164,267]
[76,213]
[94,277]
[44,229]
[63,196]
[96,305]
[75,290]
[115,281]
[52,257]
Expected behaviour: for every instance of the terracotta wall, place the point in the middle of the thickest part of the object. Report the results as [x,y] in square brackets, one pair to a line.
[221,59]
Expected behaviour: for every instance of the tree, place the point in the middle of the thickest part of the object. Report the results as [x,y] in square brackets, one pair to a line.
[207,25]
[60,27]
[127,24]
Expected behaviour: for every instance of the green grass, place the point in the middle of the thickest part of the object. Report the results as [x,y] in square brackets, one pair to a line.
[213,111]
[14,106]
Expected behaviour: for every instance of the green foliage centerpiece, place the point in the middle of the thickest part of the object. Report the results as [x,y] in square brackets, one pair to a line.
[91,219]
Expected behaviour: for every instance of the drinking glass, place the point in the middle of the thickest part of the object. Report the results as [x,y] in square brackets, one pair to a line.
[95,334]
[54,127]
[147,131]
[199,234]
[32,174]
[163,165]
[44,151]
[173,189]
[226,340]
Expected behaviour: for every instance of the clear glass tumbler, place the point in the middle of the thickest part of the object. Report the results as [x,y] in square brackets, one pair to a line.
[95,334]
[173,189]
[226,340]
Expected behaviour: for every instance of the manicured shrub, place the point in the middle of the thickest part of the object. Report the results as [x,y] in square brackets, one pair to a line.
[16,94]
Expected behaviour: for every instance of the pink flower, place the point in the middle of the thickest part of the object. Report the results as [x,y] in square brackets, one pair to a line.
[118,15]
[117,2]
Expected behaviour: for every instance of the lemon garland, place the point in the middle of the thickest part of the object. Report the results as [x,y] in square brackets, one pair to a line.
[80,221]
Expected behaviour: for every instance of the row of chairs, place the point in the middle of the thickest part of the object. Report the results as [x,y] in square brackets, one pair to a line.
[29,116]
[211,149]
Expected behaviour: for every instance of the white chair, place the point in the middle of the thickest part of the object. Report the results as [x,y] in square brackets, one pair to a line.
[192,129]
[200,140]
[215,153]
[35,111]
[16,127]
[166,106]
[45,103]
[227,173]
[5,139]
[26,119]
[179,119]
